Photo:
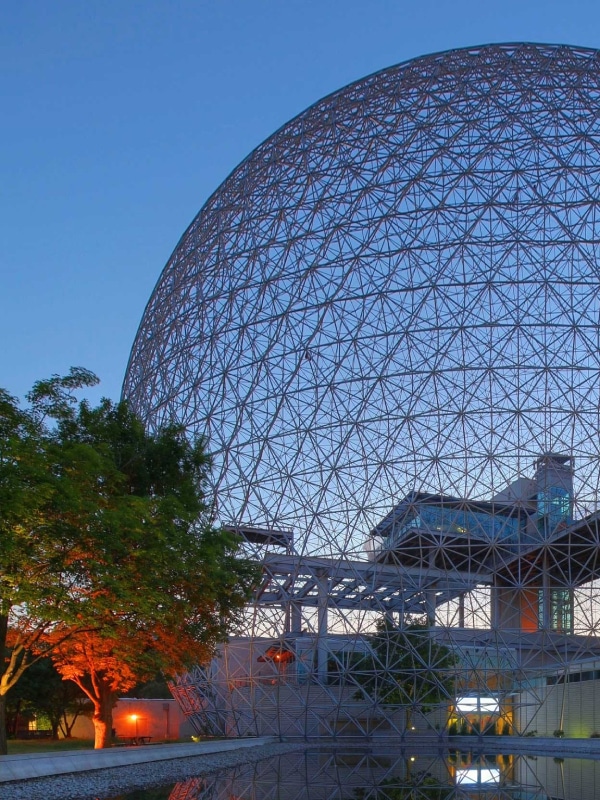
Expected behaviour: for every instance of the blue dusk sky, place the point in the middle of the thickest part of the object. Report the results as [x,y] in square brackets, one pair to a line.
[121,117]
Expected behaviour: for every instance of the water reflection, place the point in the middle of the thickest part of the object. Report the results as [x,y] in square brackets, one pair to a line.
[393,775]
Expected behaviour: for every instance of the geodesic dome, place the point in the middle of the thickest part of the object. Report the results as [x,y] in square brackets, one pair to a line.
[396,292]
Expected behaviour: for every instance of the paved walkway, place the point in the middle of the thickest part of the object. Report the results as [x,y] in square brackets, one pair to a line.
[525,745]
[41,765]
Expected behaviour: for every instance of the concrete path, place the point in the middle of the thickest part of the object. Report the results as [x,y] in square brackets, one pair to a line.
[41,765]
[525,745]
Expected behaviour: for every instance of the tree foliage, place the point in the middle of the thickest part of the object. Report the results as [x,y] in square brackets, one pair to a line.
[110,562]
[42,691]
[33,588]
[406,667]
[156,688]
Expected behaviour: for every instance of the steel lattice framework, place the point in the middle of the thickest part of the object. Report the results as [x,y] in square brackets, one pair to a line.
[397,296]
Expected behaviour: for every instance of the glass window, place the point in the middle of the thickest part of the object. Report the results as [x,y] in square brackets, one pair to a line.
[476,776]
[478,705]
[560,611]
[477,524]
[554,508]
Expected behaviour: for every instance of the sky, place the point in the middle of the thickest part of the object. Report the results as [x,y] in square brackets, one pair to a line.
[119,118]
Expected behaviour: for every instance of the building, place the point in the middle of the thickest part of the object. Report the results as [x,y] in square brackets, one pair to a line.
[395,298]
[503,584]
[133,717]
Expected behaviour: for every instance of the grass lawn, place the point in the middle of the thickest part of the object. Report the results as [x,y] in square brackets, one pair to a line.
[47,745]
[16,746]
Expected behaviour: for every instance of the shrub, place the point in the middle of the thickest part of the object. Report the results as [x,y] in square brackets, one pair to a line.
[559,733]
[453,729]
[595,735]
[506,729]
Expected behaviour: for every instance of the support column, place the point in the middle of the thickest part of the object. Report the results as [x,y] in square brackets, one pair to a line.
[546,621]
[461,611]
[296,617]
[430,595]
[322,621]
[495,606]
[293,610]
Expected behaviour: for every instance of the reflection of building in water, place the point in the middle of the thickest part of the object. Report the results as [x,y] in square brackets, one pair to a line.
[386,774]
[505,585]
[327,776]
[410,774]
[194,789]
[560,778]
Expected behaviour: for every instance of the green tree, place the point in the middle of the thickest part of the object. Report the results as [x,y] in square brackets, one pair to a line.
[407,668]
[32,584]
[140,580]
[156,688]
[42,691]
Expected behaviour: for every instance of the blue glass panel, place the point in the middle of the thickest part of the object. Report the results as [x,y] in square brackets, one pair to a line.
[472,524]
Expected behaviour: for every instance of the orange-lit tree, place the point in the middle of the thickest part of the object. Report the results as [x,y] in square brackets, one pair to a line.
[33,497]
[139,578]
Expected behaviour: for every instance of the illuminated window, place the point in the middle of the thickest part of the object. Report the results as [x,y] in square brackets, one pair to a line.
[477,776]
[478,705]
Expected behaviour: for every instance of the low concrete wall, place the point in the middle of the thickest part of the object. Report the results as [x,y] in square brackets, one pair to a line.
[527,745]
[161,719]
[41,765]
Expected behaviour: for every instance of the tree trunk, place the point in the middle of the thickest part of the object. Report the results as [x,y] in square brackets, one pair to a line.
[12,720]
[4,688]
[66,727]
[3,742]
[103,706]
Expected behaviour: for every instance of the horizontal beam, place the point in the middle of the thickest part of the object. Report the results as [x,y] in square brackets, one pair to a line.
[374,574]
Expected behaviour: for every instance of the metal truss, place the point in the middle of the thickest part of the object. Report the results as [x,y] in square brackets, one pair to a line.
[357,585]
[392,304]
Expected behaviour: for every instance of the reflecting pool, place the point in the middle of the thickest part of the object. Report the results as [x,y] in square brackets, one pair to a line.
[392,775]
